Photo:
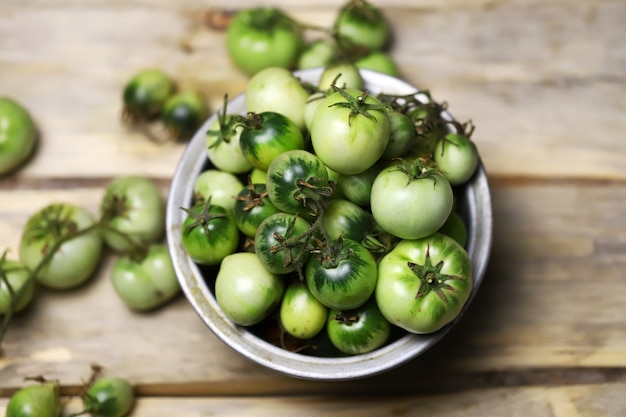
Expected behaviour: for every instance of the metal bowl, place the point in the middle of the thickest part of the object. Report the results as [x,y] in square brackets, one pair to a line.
[474,206]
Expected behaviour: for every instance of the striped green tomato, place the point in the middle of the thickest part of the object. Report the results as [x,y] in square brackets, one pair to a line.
[266,135]
[297,181]
[344,280]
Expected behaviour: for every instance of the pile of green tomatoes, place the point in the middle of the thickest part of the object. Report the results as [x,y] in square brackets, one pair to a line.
[329,214]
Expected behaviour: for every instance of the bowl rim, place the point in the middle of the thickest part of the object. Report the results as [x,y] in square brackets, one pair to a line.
[194,160]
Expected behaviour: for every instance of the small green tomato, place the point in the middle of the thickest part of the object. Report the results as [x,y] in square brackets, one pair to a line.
[183,113]
[133,210]
[220,186]
[109,397]
[343,75]
[148,282]
[16,275]
[79,248]
[18,135]
[301,314]
[246,291]
[145,94]
[35,401]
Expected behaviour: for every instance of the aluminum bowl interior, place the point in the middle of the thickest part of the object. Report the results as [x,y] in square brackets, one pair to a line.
[474,205]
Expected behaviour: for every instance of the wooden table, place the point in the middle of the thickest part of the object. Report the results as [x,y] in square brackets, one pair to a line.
[543,81]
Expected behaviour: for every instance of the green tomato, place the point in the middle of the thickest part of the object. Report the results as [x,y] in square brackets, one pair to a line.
[277,90]
[457,156]
[218,185]
[145,94]
[318,53]
[362,26]
[358,331]
[344,277]
[76,259]
[301,315]
[350,131]
[18,135]
[455,228]
[403,135]
[109,397]
[343,75]
[311,106]
[358,187]
[209,233]
[183,113]
[263,37]
[271,243]
[423,284]
[252,207]
[258,176]
[411,202]
[35,401]
[222,140]
[347,219]
[245,291]
[297,182]
[378,61]
[16,274]
[147,282]
[267,135]
[133,208]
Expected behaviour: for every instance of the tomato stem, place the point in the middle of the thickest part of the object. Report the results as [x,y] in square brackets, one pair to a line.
[357,105]
[431,277]
[63,230]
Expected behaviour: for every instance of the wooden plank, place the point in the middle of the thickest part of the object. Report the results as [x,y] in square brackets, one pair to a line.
[570,401]
[552,87]
[552,302]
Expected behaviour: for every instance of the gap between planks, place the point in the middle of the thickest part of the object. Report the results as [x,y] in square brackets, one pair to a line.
[13,183]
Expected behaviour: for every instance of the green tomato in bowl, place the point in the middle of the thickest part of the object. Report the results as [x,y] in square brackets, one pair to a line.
[358,331]
[301,314]
[277,90]
[423,284]
[411,202]
[245,291]
[350,131]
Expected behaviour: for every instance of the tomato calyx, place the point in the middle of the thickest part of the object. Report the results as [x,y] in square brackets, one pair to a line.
[312,195]
[252,198]
[417,169]
[267,18]
[346,317]
[203,218]
[357,105]
[331,252]
[432,280]
[288,241]
[227,125]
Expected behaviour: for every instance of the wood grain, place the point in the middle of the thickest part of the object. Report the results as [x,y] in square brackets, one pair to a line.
[543,81]
[574,401]
[552,299]
[546,94]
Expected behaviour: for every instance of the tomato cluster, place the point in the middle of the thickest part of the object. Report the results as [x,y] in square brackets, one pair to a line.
[265,36]
[63,244]
[103,396]
[337,222]
[152,95]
